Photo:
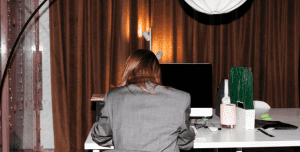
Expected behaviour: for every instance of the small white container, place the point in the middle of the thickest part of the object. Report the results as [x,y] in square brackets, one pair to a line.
[245,118]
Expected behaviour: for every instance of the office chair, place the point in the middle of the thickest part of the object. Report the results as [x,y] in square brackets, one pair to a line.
[261,105]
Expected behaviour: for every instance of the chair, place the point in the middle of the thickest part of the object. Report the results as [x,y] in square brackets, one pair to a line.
[261,105]
[98,102]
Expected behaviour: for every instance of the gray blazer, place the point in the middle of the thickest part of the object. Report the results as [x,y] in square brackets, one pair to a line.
[145,122]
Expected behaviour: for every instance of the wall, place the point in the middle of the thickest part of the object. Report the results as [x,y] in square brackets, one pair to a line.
[47,136]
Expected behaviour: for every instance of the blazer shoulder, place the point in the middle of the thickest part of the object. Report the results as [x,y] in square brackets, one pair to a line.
[110,93]
[117,90]
[179,93]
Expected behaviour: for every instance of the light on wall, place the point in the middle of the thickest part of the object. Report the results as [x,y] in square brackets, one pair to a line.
[140,32]
[215,6]
[33,48]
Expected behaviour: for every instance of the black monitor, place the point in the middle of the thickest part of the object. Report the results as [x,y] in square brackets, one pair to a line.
[194,78]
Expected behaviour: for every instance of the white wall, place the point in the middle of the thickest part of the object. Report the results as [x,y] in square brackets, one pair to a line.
[46,117]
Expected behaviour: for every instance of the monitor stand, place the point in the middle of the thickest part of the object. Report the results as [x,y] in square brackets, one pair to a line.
[201,113]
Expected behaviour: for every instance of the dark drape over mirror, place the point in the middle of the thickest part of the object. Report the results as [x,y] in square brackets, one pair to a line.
[91,40]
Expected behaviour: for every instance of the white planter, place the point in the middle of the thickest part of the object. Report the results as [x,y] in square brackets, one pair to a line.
[245,118]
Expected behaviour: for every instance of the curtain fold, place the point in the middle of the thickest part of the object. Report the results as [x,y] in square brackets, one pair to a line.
[91,40]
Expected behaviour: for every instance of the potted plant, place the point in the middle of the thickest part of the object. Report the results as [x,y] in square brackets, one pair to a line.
[241,91]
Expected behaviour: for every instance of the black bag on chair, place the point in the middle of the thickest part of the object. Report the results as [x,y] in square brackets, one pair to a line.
[99,106]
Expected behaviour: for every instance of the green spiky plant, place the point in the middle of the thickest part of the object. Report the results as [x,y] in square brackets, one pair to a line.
[247,88]
[241,86]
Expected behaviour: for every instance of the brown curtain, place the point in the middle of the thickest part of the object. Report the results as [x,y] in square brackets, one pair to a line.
[91,40]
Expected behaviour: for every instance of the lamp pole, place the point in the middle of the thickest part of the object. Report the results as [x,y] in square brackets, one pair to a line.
[150,38]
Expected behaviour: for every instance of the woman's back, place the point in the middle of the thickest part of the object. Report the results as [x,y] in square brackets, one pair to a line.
[137,117]
[147,122]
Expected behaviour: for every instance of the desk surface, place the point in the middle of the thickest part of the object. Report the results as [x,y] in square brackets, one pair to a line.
[237,137]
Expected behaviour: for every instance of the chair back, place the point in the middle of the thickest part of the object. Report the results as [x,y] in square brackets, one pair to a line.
[261,105]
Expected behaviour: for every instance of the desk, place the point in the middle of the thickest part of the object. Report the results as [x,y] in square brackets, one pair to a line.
[239,138]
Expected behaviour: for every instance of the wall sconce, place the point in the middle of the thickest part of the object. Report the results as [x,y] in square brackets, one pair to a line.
[147,36]
[159,55]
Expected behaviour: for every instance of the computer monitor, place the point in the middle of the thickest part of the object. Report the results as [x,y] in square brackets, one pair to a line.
[194,78]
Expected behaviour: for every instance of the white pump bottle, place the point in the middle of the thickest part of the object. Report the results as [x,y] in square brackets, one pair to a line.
[226,98]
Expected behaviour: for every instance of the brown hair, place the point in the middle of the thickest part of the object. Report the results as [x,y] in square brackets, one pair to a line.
[142,66]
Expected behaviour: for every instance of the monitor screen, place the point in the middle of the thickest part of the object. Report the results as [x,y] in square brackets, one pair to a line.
[194,78]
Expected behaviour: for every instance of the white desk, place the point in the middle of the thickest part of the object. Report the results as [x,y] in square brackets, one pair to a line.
[241,138]
[91,145]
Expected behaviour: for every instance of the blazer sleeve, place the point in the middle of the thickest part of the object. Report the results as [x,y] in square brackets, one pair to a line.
[186,134]
[101,131]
